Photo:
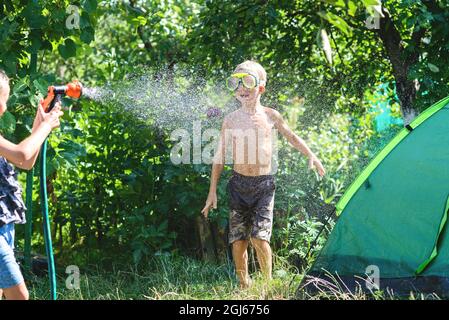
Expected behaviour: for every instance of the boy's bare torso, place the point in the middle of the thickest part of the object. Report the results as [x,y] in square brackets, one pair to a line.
[252,137]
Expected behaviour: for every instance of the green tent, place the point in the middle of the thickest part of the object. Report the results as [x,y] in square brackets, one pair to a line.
[393,216]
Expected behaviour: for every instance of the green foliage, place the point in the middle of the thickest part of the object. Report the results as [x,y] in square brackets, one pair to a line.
[170,277]
[298,237]
[28,30]
[7,124]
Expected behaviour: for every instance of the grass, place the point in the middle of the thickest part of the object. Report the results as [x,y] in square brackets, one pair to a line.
[174,277]
[170,278]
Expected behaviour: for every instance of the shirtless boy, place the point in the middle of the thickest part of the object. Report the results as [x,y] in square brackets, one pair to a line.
[248,132]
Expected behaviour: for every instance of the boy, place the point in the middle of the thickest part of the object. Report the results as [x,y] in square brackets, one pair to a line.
[251,187]
[12,208]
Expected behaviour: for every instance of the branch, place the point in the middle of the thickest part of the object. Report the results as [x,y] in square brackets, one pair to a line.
[432,6]
[417,36]
[336,48]
[419,33]
[392,41]
[298,13]
[146,43]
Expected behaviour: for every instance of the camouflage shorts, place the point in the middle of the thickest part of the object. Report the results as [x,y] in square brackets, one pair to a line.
[251,201]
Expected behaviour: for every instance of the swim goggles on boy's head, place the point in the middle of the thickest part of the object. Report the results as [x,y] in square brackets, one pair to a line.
[246,79]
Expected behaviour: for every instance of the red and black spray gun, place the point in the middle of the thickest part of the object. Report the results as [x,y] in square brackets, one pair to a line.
[73,89]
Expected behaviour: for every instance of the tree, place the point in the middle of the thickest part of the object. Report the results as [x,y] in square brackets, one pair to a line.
[408,43]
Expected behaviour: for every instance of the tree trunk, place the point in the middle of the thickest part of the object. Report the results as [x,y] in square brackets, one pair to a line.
[406,88]
[206,243]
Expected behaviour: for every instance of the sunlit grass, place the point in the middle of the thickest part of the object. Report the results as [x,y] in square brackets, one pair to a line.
[181,278]
[172,278]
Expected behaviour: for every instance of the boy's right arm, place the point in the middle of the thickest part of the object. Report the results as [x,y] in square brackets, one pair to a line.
[24,154]
[217,169]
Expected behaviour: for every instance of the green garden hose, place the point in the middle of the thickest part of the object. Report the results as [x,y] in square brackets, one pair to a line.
[46,220]
[45,217]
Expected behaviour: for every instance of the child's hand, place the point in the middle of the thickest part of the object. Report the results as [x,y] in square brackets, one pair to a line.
[211,202]
[315,163]
[260,120]
[51,118]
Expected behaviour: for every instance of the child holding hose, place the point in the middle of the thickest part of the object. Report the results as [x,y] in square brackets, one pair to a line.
[251,187]
[12,208]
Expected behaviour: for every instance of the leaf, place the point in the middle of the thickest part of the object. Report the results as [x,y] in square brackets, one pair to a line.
[7,123]
[433,67]
[135,9]
[33,15]
[90,6]
[139,21]
[272,13]
[337,3]
[68,49]
[41,85]
[352,8]
[72,147]
[336,21]
[20,86]
[177,9]
[46,45]
[85,20]
[163,226]
[10,63]
[369,3]
[87,35]
[36,44]
[69,157]
[165,245]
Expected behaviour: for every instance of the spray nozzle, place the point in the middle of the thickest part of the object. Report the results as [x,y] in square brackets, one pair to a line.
[73,89]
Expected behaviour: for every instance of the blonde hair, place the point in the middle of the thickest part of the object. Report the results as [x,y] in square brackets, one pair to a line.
[253,65]
[4,80]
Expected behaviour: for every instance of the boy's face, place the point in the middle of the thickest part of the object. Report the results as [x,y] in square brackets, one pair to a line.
[246,95]
[4,95]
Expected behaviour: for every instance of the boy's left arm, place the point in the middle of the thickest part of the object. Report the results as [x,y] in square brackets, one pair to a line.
[297,142]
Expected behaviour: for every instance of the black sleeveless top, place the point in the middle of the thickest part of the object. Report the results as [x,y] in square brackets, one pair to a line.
[12,208]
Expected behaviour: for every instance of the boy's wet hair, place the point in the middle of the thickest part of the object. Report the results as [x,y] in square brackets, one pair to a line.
[250,64]
[4,79]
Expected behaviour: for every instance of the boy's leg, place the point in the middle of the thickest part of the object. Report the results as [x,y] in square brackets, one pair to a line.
[240,255]
[238,238]
[263,225]
[18,292]
[264,256]
[239,226]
